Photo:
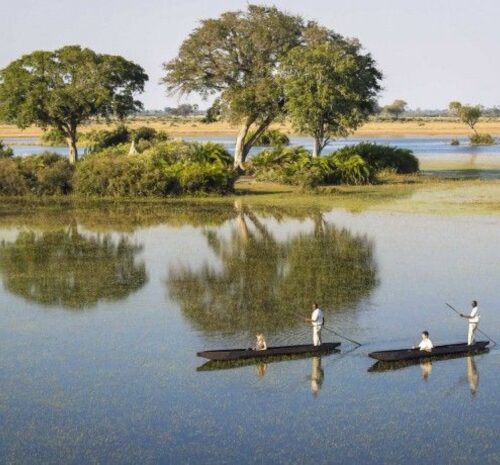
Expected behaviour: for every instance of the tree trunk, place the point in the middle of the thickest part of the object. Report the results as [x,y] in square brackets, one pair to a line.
[73,150]
[239,150]
[316,147]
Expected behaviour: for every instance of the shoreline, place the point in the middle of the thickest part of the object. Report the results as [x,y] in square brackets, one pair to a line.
[371,129]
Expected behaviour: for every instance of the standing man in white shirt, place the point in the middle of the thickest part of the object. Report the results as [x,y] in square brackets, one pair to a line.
[317,320]
[473,322]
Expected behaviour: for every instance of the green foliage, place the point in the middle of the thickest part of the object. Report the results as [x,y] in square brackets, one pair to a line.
[11,180]
[236,56]
[466,113]
[167,168]
[330,86]
[382,157]
[98,140]
[65,88]
[5,152]
[454,142]
[271,137]
[296,166]
[481,139]
[43,174]
[53,137]
[46,174]
[396,108]
[145,133]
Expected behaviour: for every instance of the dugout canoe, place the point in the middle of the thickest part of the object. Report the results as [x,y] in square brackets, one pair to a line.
[437,351]
[239,354]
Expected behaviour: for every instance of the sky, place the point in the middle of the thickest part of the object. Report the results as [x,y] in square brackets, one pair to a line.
[430,51]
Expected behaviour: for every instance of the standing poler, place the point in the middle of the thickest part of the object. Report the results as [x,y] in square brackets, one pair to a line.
[473,322]
[317,319]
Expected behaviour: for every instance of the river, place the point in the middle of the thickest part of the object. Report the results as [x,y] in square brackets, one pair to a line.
[103,311]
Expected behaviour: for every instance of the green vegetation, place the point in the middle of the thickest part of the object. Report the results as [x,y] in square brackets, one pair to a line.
[65,88]
[481,139]
[454,142]
[353,165]
[262,64]
[395,109]
[330,87]
[271,137]
[5,152]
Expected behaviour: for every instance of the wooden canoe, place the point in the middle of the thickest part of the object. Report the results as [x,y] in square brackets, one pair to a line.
[437,351]
[239,354]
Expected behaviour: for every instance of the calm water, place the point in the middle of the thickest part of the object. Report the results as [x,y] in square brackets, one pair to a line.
[102,313]
[422,146]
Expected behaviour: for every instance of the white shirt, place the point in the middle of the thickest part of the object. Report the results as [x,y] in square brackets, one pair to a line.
[425,344]
[317,318]
[474,315]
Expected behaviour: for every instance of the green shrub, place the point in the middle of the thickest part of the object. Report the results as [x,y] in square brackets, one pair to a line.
[481,139]
[271,137]
[5,152]
[381,157]
[98,140]
[46,174]
[171,152]
[454,142]
[145,133]
[11,180]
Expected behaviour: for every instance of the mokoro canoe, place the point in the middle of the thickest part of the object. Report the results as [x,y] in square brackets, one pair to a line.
[238,354]
[414,354]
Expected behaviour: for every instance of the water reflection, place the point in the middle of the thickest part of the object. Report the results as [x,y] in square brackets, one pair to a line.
[260,370]
[425,369]
[67,268]
[472,375]
[259,283]
[317,375]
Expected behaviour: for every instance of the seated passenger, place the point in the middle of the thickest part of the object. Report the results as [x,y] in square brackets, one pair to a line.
[260,344]
[425,343]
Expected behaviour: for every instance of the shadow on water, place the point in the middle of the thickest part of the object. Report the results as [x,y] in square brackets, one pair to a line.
[66,268]
[259,283]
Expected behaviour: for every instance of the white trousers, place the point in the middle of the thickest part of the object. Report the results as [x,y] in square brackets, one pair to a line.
[472,333]
[317,335]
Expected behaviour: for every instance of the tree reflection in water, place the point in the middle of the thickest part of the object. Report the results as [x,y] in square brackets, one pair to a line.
[69,269]
[261,283]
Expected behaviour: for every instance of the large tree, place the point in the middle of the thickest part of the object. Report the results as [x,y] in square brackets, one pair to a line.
[330,86]
[236,57]
[67,87]
[396,108]
[468,114]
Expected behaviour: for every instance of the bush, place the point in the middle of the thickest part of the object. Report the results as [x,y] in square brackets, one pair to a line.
[382,157]
[454,142]
[98,140]
[296,166]
[271,137]
[481,139]
[11,180]
[167,168]
[46,174]
[5,152]
[145,133]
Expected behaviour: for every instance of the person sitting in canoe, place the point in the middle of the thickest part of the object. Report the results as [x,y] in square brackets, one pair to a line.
[425,344]
[260,343]
[473,322]
[317,320]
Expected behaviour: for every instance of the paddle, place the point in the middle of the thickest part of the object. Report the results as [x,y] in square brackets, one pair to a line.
[478,330]
[334,332]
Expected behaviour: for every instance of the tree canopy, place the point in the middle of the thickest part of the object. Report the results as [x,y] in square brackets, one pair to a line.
[67,87]
[236,57]
[330,86]
[396,108]
[468,114]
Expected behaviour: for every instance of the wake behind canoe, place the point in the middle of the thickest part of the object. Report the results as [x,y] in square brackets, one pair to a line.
[237,354]
[413,354]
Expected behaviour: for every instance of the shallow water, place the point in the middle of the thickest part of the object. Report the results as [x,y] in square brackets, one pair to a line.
[423,146]
[102,313]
